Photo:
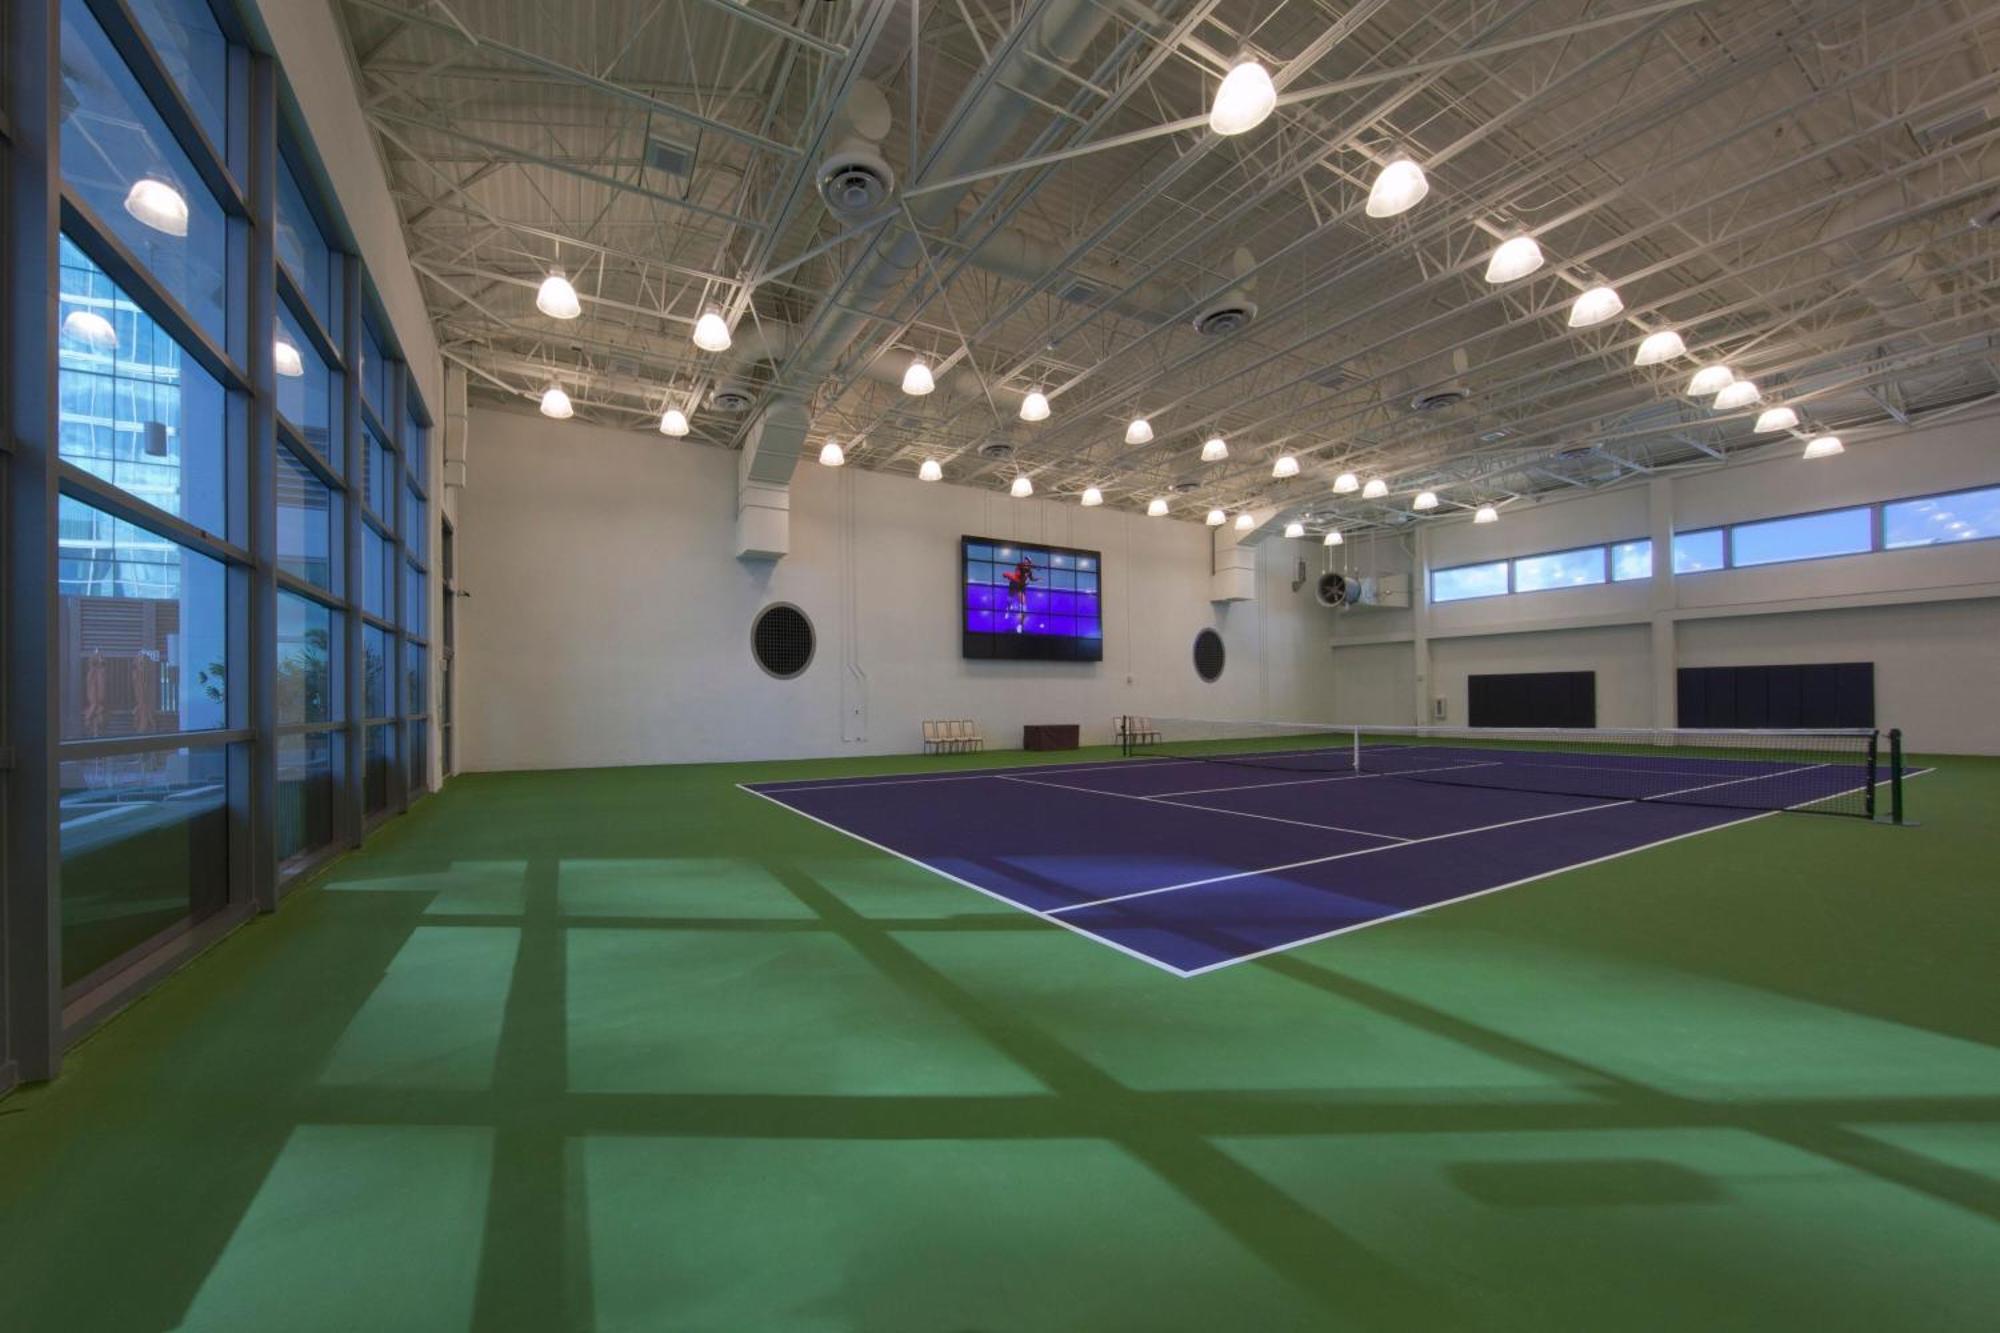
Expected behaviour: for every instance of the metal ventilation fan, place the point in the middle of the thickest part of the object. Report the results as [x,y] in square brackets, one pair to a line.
[1333,589]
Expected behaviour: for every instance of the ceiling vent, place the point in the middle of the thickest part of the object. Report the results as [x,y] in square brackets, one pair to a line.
[855,182]
[669,158]
[1956,126]
[1335,378]
[1231,314]
[1185,485]
[1080,292]
[731,396]
[996,449]
[1438,397]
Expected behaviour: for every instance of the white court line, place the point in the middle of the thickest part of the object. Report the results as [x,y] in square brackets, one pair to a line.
[946,874]
[1515,884]
[1182,805]
[1337,856]
[1343,777]
[811,784]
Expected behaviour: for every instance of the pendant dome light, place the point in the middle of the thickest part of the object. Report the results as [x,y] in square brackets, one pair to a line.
[1244,522]
[1333,539]
[1425,500]
[1662,346]
[1216,518]
[1486,514]
[831,454]
[1245,98]
[929,470]
[1824,446]
[1346,484]
[1214,449]
[1035,407]
[556,405]
[1774,419]
[94,331]
[1710,379]
[1286,466]
[1295,529]
[1021,489]
[556,298]
[917,379]
[1092,497]
[158,205]
[1375,489]
[1399,187]
[1156,508]
[1514,259]
[711,332]
[674,422]
[285,358]
[1594,305]
[1735,394]
[1139,431]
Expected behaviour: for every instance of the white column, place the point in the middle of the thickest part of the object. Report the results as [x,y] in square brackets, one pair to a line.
[1666,656]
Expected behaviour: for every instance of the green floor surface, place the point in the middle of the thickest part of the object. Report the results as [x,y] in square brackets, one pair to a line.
[633,1050]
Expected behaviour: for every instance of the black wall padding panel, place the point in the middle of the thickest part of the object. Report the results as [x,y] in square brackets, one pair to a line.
[1815,694]
[1533,699]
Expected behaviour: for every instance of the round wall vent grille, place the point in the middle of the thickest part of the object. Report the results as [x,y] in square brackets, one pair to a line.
[1208,655]
[782,640]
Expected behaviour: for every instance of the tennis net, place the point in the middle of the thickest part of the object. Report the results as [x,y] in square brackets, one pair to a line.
[1818,771]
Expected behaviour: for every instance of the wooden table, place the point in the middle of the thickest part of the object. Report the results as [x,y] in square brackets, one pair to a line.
[1050,736]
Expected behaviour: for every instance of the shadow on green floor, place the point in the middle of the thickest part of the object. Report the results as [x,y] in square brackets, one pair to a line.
[630,1049]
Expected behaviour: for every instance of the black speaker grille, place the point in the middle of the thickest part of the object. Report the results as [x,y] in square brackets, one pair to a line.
[1208,655]
[782,639]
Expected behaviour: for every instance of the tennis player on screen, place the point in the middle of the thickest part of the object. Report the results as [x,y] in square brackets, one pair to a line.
[1018,580]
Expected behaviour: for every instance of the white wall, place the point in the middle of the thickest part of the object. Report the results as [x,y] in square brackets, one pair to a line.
[609,619]
[1928,618]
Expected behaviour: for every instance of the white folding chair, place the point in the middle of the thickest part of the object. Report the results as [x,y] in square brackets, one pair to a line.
[930,738]
[970,731]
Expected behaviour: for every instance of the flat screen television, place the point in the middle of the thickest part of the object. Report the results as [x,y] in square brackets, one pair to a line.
[1021,601]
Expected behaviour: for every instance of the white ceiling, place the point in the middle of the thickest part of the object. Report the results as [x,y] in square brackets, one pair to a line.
[1789,185]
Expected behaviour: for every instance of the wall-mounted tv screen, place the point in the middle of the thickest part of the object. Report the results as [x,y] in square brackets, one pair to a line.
[1030,602]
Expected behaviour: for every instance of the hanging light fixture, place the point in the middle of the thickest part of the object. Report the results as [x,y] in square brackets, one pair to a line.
[1245,98]
[1824,446]
[1662,346]
[1594,305]
[673,421]
[1774,419]
[1244,522]
[1710,379]
[929,470]
[1399,187]
[1425,500]
[1092,497]
[285,358]
[917,379]
[1513,259]
[711,332]
[158,205]
[557,299]
[1035,407]
[1735,394]
[1156,508]
[556,404]
[94,331]
[1139,431]
[1333,539]
[1486,514]
[1216,518]
[831,454]
[1021,489]
[1346,484]
[1375,489]
[1286,466]
[1295,529]
[1214,449]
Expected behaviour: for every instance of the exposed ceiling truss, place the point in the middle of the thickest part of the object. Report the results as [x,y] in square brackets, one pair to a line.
[1793,185]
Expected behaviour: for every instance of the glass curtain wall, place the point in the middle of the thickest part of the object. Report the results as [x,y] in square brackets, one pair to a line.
[233,452]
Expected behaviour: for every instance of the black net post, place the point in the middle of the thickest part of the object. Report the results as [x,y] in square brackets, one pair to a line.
[1896,775]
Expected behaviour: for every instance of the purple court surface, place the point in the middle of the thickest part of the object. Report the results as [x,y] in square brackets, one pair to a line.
[1192,864]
